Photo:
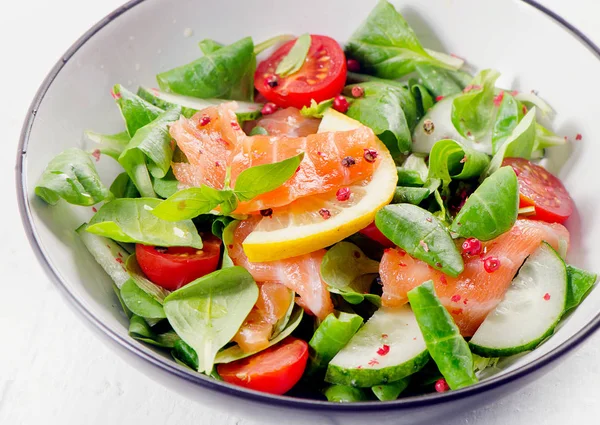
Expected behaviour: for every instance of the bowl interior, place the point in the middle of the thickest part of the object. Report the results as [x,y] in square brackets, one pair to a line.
[532,53]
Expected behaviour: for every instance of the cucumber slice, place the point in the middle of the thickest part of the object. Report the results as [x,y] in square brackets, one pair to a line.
[530,310]
[190,105]
[110,255]
[387,348]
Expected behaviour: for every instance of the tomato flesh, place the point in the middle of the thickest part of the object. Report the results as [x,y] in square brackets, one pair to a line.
[372,232]
[322,76]
[174,267]
[540,189]
[275,370]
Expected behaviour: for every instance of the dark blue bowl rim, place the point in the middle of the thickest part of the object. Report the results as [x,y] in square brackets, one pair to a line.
[204,381]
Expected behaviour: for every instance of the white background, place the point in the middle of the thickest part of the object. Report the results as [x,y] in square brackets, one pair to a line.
[53,371]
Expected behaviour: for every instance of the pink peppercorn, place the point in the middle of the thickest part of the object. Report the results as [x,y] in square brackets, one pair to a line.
[358,91]
[441,386]
[353,65]
[491,264]
[268,108]
[471,246]
[204,120]
[370,155]
[340,104]
[343,194]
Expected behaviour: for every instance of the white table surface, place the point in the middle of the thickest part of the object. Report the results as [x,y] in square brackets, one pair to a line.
[53,371]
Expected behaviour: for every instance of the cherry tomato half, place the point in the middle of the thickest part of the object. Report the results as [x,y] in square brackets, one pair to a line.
[275,370]
[174,267]
[372,232]
[321,77]
[542,190]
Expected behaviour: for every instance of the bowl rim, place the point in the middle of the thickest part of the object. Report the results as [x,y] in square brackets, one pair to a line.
[171,367]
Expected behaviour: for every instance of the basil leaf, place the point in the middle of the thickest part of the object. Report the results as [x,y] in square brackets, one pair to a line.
[255,181]
[140,303]
[131,220]
[166,186]
[123,187]
[190,203]
[492,209]
[135,111]
[386,46]
[410,195]
[473,111]
[344,394]
[151,147]
[72,176]
[579,284]
[449,160]
[226,73]
[442,82]
[293,61]
[208,312]
[209,46]
[506,121]
[140,330]
[422,235]
[389,110]
[392,391]
[259,131]
[110,144]
[185,355]
[316,110]
[447,347]
[139,278]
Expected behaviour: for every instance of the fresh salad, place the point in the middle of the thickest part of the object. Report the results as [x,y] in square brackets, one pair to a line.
[358,221]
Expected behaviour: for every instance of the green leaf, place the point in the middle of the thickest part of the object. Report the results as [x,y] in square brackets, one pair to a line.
[228,233]
[330,337]
[190,203]
[417,164]
[234,352]
[344,394]
[209,46]
[410,195]
[255,181]
[389,392]
[386,46]
[447,347]
[278,39]
[506,121]
[422,235]
[390,110]
[184,354]
[140,330]
[151,147]
[166,186]
[110,144]
[410,178]
[139,278]
[226,73]
[208,312]
[259,131]
[579,284]
[123,187]
[131,220]
[422,98]
[449,160]
[219,224]
[135,111]
[442,82]
[140,303]
[72,176]
[316,110]
[492,209]
[545,138]
[293,61]
[473,112]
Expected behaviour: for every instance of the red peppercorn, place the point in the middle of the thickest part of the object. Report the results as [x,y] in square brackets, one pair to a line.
[353,65]
[325,213]
[268,108]
[348,161]
[266,212]
[441,386]
[471,246]
[343,194]
[383,350]
[491,264]
[340,104]
[455,298]
[204,120]
[358,91]
[370,155]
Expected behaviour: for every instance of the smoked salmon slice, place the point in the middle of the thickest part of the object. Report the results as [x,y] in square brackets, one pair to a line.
[475,292]
[300,274]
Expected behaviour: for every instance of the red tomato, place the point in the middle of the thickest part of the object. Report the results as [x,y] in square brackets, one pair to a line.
[275,370]
[372,232]
[322,76]
[174,267]
[542,190]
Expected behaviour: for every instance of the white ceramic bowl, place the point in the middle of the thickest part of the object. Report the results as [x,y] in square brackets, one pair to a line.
[532,49]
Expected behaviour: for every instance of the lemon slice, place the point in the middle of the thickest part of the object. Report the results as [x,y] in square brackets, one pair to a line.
[315,222]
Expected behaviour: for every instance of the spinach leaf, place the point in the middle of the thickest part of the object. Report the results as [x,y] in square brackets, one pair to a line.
[386,46]
[389,110]
[191,202]
[71,175]
[131,220]
[234,352]
[492,209]
[226,73]
[185,355]
[140,330]
[509,115]
[151,147]
[209,46]
[293,61]
[344,394]
[207,312]
[140,303]
[410,178]
[255,181]
[442,82]
[579,283]
[450,159]
[166,186]
[473,111]
[316,110]
[349,272]
[417,164]
[422,235]
[136,111]
[110,144]
[330,337]
[447,347]
[123,187]
[392,391]
[422,97]
[410,195]
[137,275]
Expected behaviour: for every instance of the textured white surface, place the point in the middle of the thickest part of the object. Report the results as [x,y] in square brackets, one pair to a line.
[54,371]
